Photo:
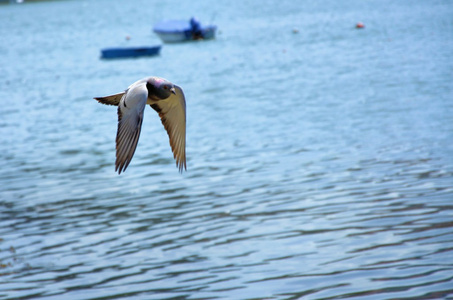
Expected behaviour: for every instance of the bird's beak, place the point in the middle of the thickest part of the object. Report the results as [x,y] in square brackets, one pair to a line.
[173,90]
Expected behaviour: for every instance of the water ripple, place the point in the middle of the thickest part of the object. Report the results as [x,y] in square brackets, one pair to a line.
[319,162]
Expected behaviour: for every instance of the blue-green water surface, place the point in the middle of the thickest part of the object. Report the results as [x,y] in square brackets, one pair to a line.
[320,156]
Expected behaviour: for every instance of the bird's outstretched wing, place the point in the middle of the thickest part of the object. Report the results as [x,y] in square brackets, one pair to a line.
[111,100]
[130,118]
[172,112]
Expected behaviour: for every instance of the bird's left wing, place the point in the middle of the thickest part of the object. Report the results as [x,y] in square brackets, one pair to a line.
[130,118]
[172,113]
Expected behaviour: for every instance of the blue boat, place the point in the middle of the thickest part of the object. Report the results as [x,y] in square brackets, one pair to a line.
[129,52]
[175,31]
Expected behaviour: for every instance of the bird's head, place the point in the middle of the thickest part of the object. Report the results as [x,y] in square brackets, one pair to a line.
[160,88]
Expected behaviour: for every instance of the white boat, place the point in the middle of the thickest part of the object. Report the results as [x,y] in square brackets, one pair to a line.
[175,31]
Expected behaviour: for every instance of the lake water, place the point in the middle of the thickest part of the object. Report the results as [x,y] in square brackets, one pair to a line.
[319,156]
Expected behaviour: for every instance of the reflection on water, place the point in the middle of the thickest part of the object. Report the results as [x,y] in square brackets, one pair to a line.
[319,163]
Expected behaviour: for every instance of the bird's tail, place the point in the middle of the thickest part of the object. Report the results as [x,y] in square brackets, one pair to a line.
[110,100]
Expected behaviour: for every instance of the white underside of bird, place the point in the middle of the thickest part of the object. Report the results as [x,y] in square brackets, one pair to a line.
[167,99]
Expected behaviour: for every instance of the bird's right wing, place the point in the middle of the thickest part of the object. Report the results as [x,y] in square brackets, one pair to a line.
[130,118]
[172,113]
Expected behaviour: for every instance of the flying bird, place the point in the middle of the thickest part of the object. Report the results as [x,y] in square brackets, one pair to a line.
[167,99]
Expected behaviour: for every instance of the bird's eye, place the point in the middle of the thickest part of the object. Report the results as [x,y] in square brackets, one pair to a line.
[165,87]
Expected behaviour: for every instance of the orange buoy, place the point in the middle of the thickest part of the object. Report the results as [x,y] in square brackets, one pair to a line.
[360,25]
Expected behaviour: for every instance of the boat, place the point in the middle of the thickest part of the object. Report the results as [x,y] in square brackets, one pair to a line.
[125,52]
[175,31]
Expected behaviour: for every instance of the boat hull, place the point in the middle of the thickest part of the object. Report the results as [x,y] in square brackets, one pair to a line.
[110,53]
